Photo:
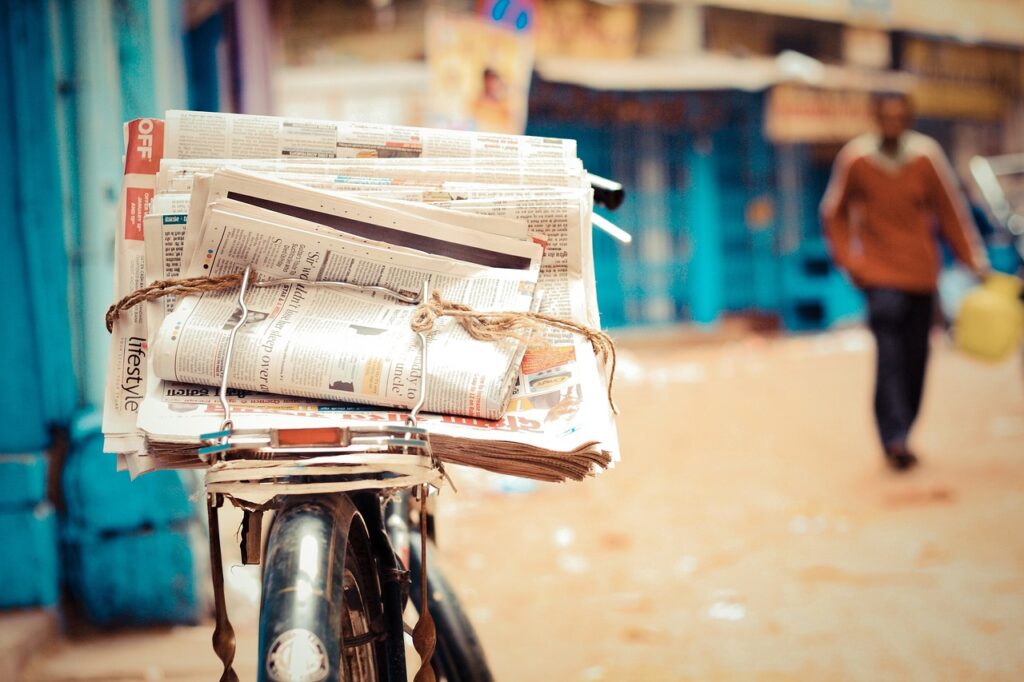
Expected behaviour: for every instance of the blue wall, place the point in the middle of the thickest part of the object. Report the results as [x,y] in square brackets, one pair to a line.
[70,73]
[717,229]
[38,387]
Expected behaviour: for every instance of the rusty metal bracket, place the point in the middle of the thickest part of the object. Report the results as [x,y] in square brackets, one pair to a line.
[252,536]
[424,635]
[223,633]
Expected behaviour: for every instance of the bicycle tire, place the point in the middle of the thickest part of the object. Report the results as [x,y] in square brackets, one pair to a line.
[321,596]
[459,657]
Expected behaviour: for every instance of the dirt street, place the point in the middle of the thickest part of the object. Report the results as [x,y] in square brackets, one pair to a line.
[749,532]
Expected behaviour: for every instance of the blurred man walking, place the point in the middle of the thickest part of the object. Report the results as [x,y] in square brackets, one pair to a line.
[888,191]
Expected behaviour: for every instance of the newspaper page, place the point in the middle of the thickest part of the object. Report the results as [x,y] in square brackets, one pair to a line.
[207,135]
[333,344]
[165,244]
[176,174]
[554,430]
[560,216]
[563,218]
[126,378]
[361,217]
[376,176]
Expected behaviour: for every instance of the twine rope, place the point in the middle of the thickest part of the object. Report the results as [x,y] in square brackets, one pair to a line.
[171,287]
[492,326]
[482,326]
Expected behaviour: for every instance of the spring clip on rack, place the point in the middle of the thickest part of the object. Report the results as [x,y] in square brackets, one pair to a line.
[331,449]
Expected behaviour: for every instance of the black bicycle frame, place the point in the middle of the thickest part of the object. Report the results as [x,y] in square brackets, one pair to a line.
[326,522]
[295,526]
[393,578]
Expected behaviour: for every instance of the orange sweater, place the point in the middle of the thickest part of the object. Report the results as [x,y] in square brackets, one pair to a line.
[879,214]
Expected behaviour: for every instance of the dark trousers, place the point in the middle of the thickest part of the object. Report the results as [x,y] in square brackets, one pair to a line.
[900,322]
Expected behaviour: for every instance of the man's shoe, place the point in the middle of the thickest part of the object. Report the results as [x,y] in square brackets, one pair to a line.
[900,458]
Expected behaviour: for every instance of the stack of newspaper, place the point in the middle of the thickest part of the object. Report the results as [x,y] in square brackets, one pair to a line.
[494,222]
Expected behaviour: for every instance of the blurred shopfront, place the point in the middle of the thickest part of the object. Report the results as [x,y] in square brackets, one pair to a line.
[727,134]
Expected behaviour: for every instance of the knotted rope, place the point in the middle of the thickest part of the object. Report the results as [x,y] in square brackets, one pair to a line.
[488,326]
[171,287]
[482,326]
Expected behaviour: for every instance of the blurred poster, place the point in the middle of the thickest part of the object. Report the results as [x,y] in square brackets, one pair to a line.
[796,113]
[479,74]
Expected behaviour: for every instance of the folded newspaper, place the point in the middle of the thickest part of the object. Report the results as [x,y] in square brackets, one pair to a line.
[492,222]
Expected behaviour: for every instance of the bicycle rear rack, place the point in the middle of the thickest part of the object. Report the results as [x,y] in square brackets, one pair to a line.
[252,467]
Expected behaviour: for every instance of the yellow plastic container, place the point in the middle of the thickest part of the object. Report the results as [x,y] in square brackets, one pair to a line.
[990,324]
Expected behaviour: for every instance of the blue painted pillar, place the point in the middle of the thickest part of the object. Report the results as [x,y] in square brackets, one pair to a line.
[706,274]
[38,386]
[23,424]
[654,241]
[201,47]
[764,226]
[126,55]
[790,161]
[134,33]
[167,42]
[98,92]
[150,37]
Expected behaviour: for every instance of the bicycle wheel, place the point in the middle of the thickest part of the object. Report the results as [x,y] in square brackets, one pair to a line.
[321,595]
[458,656]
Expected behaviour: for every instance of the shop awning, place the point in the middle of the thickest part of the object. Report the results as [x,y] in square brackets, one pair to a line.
[709,71]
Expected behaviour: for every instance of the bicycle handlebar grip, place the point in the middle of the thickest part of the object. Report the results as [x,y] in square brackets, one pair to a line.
[608,193]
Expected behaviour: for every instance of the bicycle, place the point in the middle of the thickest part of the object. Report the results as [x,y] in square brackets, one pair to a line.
[346,550]
[1008,210]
